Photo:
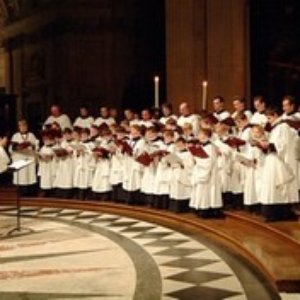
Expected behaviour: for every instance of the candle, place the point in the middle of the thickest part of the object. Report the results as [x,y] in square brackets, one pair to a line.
[204,95]
[156,91]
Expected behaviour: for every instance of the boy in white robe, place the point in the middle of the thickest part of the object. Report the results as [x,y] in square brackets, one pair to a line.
[132,170]
[47,165]
[101,186]
[180,185]
[280,191]
[153,144]
[117,161]
[238,176]
[206,196]
[24,145]
[84,165]
[225,161]
[64,178]
[253,166]
[164,172]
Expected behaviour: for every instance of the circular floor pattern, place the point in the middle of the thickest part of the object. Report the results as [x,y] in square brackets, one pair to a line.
[75,254]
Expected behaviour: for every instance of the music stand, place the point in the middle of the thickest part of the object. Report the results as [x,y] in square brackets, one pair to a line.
[16,167]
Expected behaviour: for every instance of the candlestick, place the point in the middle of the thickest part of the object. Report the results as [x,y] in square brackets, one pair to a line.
[156,91]
[204,95]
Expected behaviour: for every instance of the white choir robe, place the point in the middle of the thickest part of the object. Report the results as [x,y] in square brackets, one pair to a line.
[253,176]
[63,121]
[132,170]
[47,169]
[259,118]
[116,170]
[108,121]
[295,117]
[101,179]
[26,176]
[4,160]
[148,179]
[163,120]
[190,119]
[206,187]
[275,188]
[224,162]
[64,178]
[84,166]
[238,170]
[83,122]
[163,174]
[222,115]
[180,185]
[285,140]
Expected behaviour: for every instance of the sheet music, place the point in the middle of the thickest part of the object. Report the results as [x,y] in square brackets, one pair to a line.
[20,164]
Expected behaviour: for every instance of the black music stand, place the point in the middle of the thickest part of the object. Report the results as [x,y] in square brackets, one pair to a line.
[16,167]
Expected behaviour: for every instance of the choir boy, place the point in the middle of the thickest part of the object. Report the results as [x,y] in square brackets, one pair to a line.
[65,165]
[24,145]
[132,169]
[84,164]
[206,196]
[164,172]
[279,191]
[153,144]
[47,169]
[180,184]
[101,186]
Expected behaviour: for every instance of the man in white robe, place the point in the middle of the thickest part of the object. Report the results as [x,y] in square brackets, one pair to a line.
[187,117]
[57,117]
[4,159]
[219,112]
[259,117]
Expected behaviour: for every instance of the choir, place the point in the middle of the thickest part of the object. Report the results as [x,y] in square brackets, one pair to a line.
[203,162]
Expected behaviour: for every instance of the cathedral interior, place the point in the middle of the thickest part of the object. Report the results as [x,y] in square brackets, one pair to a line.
[107,53]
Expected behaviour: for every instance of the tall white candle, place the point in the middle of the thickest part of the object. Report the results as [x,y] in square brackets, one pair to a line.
[204,95]
[156,91]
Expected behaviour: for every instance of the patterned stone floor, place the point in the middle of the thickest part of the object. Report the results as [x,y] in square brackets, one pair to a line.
[74,254]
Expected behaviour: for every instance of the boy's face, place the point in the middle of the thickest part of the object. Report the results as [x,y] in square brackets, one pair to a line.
[134,132]
[168,138]
[256,133]
[23,128]
[202,136]
[84,136]
[180,145]
[67,136]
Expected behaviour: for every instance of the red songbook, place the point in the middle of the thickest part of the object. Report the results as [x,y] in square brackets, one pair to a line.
[125,147]
[145,159]
[198,151]
[228,121]
[235,142]
[20,146]
[101,152]
[61,152]
[159,153]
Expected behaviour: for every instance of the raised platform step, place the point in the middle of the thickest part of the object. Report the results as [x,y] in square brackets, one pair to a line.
[273,248]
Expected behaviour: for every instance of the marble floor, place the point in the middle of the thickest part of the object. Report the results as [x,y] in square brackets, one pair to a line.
[75,254]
